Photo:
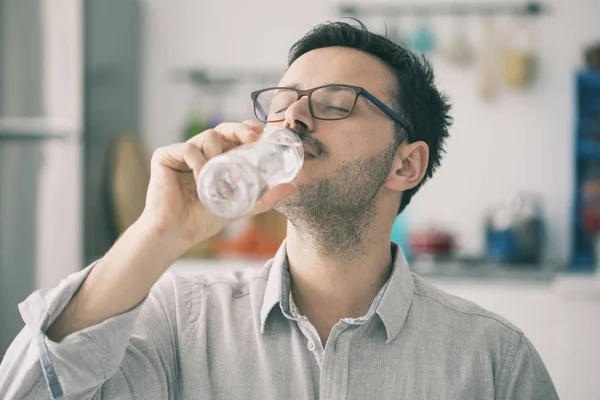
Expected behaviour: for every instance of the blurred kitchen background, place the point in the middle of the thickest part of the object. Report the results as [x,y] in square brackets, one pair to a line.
[89,88]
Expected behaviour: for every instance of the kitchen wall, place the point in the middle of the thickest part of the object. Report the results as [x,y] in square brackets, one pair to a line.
[520,141]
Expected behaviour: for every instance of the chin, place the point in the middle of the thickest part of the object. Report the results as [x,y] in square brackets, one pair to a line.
[283,207]
[287,205]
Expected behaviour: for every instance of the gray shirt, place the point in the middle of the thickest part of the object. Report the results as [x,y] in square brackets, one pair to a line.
[234,337]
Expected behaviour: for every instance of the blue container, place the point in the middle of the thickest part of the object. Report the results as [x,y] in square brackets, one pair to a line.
[587,159]
[400,234]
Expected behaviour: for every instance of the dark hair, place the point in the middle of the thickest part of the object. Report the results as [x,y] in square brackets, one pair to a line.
[416,99]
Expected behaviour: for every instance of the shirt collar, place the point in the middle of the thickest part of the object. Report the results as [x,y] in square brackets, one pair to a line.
[274,281]
[391,304]
[395,302]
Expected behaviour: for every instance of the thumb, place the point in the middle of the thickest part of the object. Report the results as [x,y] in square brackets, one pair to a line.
[272,196]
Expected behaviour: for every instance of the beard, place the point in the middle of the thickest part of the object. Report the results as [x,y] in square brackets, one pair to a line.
[334,213]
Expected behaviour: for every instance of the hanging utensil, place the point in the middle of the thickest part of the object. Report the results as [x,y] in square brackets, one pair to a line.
[423,39]
[488,86]
[520,54]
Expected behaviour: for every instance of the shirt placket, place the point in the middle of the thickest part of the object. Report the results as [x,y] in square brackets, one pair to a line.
[334,370]
[313,343]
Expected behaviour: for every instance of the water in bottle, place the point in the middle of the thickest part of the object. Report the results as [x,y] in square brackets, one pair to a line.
[229,185]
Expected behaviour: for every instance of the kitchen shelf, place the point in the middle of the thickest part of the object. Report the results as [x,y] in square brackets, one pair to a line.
[532,8]
[587,163]
[227,77]
[589,149]
[588,95]
[589,127]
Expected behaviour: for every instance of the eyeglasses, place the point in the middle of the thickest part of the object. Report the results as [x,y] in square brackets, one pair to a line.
[328,102]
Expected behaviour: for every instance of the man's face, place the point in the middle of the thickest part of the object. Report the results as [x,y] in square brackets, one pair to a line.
[352,156]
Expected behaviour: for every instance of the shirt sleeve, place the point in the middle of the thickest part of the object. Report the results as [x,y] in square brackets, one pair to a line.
[131,356]
[528,378]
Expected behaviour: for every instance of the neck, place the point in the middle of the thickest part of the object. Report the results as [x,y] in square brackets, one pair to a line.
[329,286]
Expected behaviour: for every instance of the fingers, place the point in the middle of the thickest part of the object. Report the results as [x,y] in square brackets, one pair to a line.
[182,157]
[227,127]
[193,154]
[209,142]
[254,125]
[246,132]
[194,158]
[226,136]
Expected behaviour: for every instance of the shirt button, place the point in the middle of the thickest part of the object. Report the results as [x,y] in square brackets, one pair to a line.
[311,345]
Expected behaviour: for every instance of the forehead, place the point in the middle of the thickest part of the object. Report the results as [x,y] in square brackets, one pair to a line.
[340,65]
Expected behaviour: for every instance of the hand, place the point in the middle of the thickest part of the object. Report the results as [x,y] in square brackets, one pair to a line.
[172,204]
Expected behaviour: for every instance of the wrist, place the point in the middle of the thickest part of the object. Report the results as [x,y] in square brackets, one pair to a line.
[168,244]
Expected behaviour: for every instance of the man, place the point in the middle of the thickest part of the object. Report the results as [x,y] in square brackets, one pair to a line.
[335,315]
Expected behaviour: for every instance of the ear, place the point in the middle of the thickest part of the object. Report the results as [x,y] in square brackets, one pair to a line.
[409,166]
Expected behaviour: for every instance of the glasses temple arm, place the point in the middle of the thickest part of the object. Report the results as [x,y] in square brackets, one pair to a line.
[388,111]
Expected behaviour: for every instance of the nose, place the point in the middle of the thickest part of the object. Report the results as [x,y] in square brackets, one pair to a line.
[299,114]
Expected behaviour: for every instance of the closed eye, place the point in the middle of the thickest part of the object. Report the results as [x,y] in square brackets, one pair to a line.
[337,109]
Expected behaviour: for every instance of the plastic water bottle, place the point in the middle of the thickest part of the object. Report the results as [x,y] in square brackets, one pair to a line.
[230,184]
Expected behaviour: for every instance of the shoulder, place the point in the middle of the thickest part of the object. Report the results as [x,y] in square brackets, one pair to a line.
[445,308]
[489,340]
[465,330]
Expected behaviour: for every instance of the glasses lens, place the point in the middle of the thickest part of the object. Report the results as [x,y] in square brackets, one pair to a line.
[271,104]
[333,102]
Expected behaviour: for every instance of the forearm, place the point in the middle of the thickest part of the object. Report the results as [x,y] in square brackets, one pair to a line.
[120,280]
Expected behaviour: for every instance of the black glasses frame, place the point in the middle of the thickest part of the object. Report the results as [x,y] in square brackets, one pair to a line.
[358,91]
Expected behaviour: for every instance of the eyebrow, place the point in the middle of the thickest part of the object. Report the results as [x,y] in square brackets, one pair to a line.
[297,85]
[339,88]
